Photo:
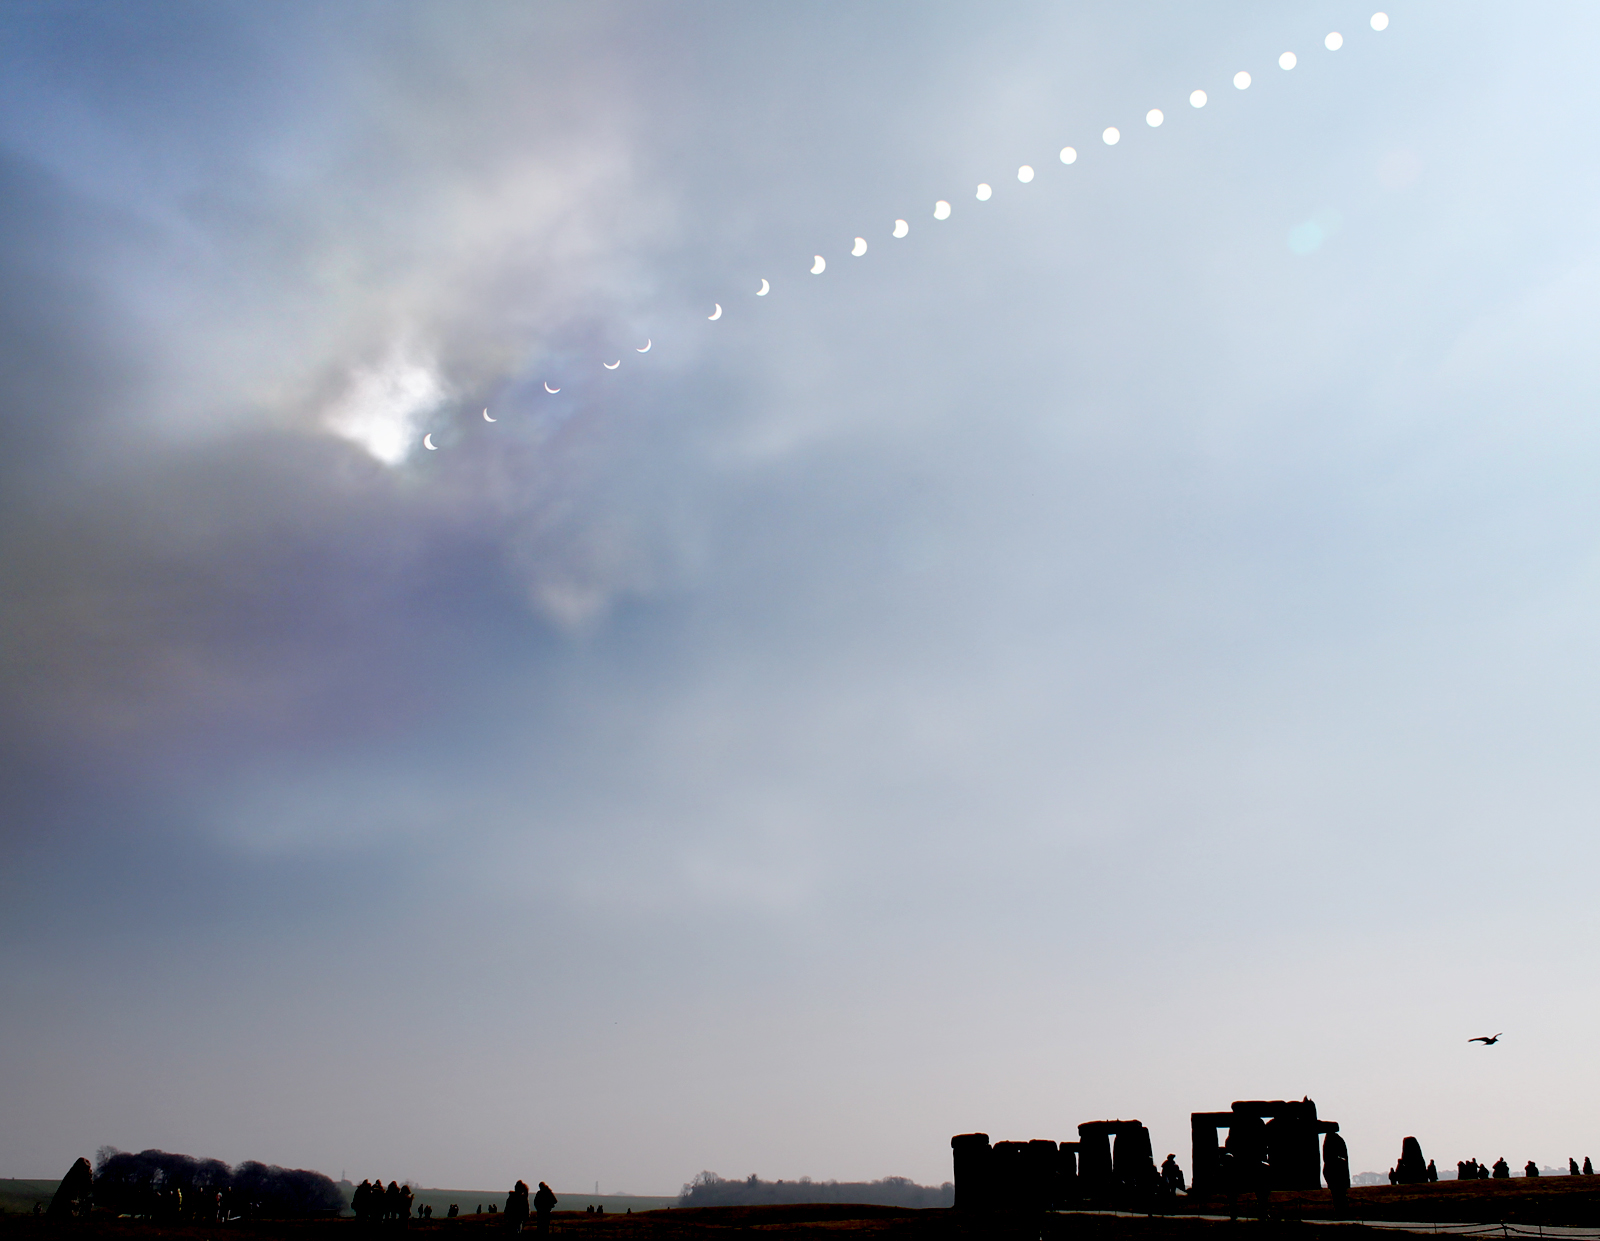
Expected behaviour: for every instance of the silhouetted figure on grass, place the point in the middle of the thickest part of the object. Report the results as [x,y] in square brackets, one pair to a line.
[74,1194]
[517,1207]
[1530,1169]
[1336,1170]
[453,1211]
[1171,1175]
[1588,1168]
[600,1208]
[1229,1181]
[1572,1166]
[1502,1170]
[405,1202]
[543,1203]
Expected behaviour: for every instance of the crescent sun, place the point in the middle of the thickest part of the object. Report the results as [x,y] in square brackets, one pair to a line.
[611,366]
[764,289]
[717,313]
[486,417]
[427,442]
[549,389]
[820,266]
[646,348]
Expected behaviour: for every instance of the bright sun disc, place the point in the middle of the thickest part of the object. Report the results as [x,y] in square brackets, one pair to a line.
[1025,173]
[1380,21]
[1241,80]
[941,210]
[1334,41]
[1287,61]
[1111,137]
[1197,99]
[983,193]
[1068,155]
[1153,117]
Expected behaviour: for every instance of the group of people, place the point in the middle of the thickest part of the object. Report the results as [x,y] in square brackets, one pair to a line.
[1472,1170]
[516,1213]
[374,1204]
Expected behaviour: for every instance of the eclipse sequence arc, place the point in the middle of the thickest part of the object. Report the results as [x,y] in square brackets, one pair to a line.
[1110,136]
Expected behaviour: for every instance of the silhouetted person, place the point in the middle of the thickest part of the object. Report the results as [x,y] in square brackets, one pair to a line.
[543,1203]
[1588,1168]
[1433,1172]
[453,1211]
[405,1202]
[517,1207]
[1572,1166]
[1502,1170]
[1530,1169]
[600,1208]
[1336,1170]
[1171,1175]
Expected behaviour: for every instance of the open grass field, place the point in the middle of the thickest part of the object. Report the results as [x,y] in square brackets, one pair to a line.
[823,1221]
[18,1197]
[1562,1200]
[1572,1201]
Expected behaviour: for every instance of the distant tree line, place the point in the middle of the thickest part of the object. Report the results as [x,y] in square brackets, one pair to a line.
[710,1190]
[161,1186]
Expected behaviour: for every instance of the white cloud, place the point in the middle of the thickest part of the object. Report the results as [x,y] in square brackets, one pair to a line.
[383,404]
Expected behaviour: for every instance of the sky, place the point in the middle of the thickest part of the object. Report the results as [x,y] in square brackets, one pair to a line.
[1126,647]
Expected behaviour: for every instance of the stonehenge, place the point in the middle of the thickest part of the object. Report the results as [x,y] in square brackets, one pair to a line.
[1287,1144]
[1110,1161]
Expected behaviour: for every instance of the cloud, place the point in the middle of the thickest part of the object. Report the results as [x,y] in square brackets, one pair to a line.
[384,404]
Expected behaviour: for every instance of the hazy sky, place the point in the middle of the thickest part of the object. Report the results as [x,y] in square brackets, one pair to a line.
[1128,647]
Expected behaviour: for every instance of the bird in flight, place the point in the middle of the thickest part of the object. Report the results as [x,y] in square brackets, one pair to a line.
[1485,1039]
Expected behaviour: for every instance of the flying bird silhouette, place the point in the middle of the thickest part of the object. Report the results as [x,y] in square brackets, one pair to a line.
[1485,1039]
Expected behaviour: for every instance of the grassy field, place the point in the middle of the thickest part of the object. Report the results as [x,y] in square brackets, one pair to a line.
[469,1200]
[18,1197]
[822,1222]
[1565,1200]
